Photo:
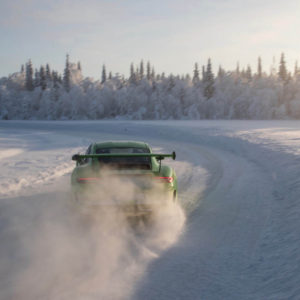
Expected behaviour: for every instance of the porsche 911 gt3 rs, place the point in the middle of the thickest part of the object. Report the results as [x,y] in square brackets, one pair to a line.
[123,174]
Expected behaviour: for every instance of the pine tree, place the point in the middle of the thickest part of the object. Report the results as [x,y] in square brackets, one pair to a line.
[153,73]
[103,76]
[259,68]
[29,76]
[110,75]
[248,73]
[187,77]
[55,80]
[36,78]
[273,71]
[221,72]
[148,70]
[142,69]
[243,73]
[60,79]
[282,69]
[79,66]
[132,77]
[203,73]
[22,69]
[196,78]
[43,82]
[48,73]
[209,81]
[131,70]
[171,82]
[54,76]
[67,74]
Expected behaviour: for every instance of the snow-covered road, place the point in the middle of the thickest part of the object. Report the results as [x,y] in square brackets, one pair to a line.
[239,237]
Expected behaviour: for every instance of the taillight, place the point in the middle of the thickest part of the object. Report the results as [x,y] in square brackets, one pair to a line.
[87,179]
[168,179]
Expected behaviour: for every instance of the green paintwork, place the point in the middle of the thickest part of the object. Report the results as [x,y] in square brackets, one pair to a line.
[88,166]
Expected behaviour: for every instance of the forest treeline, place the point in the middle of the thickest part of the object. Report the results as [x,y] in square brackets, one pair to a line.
[43,93]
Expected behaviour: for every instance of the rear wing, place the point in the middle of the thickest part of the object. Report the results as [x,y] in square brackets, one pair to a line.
[80,157]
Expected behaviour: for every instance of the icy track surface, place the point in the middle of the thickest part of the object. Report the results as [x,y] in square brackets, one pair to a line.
[235,235]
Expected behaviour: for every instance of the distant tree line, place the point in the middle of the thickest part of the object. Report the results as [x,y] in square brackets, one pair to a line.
[43,93]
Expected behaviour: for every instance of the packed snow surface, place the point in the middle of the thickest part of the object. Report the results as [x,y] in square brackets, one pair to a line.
[234,235]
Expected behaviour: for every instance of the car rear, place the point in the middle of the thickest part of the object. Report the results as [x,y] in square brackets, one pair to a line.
[129,183]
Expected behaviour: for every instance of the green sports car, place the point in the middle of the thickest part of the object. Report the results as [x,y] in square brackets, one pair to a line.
[123,174]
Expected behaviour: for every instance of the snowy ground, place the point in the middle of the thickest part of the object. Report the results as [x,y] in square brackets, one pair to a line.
[236,235]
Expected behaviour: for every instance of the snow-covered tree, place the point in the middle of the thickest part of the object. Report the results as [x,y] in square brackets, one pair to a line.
[196,77]
[248,73]
[259,68]
[282,69]
[48,73]
[132,77]
[208,81]
[203,73]
[231,95]
[43,81]
[67,74]
[36,80]
[103,75]
[148,70]
[152,73]
[29,76]
[221,72]
[56,84]
[142,69]
[171,82]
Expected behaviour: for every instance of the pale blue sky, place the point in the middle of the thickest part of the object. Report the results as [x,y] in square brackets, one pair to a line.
[172,34]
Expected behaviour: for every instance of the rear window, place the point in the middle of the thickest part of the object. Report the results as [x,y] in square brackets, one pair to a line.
[125,162]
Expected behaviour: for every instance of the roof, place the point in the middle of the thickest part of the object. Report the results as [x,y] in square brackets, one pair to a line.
[122,144]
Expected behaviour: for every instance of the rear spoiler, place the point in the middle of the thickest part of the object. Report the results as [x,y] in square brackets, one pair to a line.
[79,157]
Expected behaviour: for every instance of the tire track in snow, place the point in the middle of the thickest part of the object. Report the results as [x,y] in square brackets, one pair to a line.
[213,258]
